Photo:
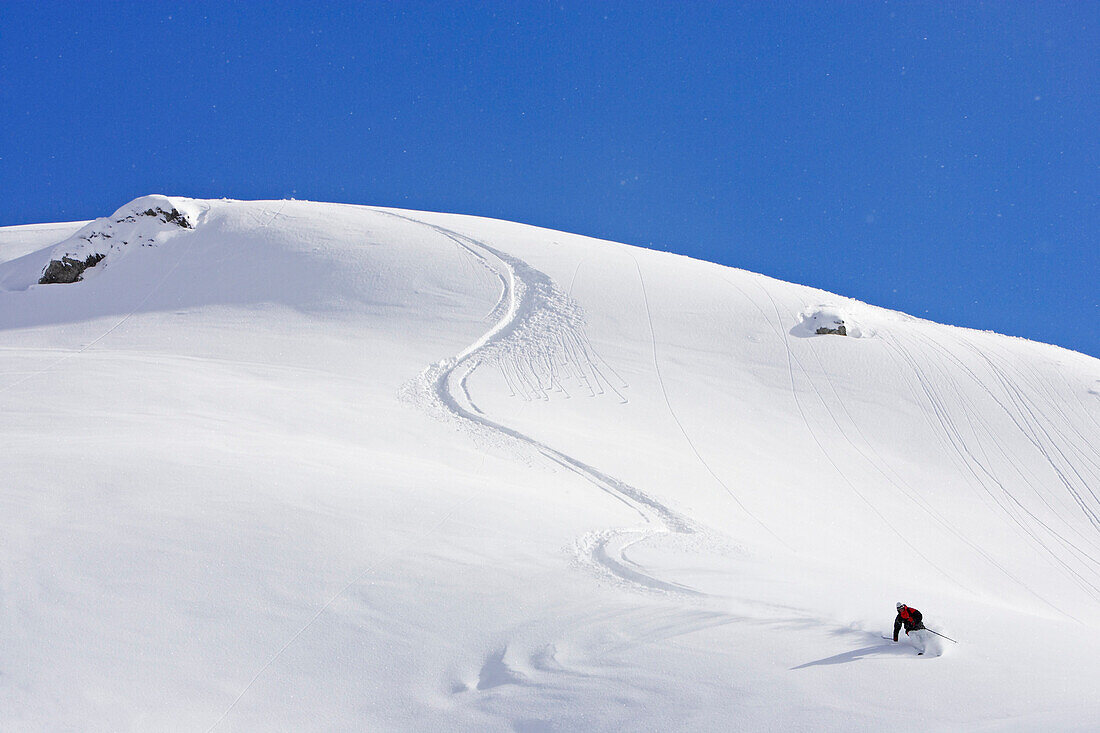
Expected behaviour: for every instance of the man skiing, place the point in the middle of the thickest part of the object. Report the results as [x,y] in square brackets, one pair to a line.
[913,621]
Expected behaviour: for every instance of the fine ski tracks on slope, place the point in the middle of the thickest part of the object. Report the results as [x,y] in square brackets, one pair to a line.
[943,414]
[676,418]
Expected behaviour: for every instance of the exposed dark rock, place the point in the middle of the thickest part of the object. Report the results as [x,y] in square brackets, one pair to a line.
[840,330]
[171,217]
[168,217]
[67,269]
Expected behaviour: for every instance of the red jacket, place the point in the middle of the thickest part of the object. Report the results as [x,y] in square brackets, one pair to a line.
[911,618]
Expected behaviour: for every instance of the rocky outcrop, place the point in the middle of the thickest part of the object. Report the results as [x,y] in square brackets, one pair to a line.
[67,269]
[144,222]
[173,216]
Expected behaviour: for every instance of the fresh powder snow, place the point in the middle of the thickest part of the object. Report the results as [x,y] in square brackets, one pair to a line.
[282,465]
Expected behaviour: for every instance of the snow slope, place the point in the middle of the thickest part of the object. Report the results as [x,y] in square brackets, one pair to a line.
[20,240]
[314,466]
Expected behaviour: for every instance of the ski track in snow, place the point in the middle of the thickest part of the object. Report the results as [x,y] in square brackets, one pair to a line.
[538,340]
[676,418]
[792,360]
[975,465]
[898,482]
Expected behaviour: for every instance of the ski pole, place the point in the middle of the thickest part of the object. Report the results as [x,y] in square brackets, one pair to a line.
[941,635]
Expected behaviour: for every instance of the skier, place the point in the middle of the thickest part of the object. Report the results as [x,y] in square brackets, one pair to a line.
[913,621]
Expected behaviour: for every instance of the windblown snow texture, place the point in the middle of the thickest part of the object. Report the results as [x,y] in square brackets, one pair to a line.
[286,465]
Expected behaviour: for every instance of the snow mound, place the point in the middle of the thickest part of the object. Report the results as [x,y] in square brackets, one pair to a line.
[144,222]
[822,320]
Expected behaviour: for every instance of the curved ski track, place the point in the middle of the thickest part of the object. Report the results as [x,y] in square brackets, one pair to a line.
[536,340]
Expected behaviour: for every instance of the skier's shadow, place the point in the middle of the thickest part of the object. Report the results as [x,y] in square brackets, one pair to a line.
[884,648]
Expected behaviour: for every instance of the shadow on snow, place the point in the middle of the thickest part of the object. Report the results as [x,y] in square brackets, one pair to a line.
[884,648]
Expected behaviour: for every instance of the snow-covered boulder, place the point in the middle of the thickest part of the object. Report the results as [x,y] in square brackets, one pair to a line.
[143,222]
[821,320]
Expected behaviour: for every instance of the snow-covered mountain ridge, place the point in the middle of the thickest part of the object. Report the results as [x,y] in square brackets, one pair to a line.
[304,465]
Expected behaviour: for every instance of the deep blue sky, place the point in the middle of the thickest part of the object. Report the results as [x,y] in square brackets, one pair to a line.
[943,162]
